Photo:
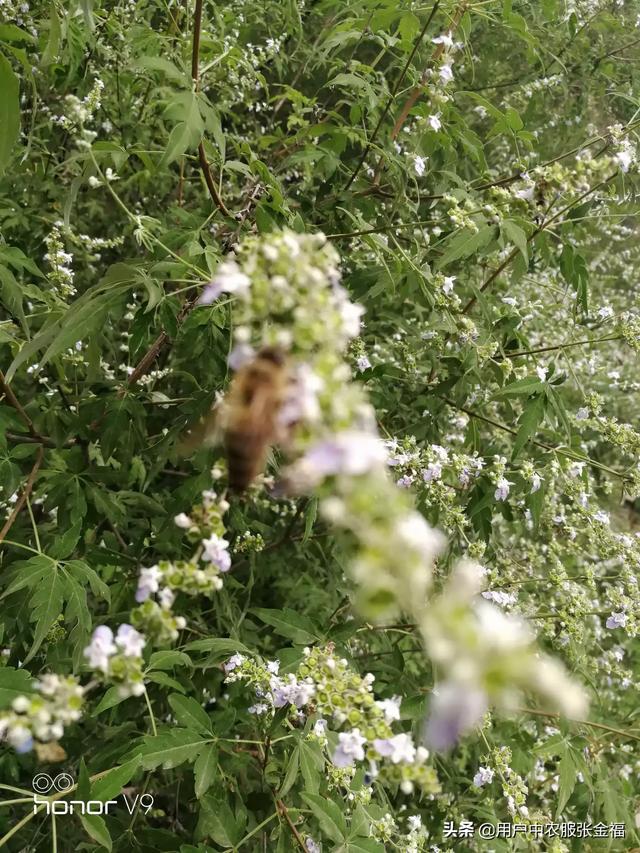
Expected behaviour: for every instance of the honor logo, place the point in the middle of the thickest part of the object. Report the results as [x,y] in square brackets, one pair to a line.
[43,784]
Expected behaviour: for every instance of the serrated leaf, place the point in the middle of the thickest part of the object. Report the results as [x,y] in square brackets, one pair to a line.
[567,773]
[9,111]
[300,629]
[529,422]
[46,605]
[97,829]
[514,233]
[329,816]
[189,713]
[112,783]
[465,243]
[205,769]
[170,749]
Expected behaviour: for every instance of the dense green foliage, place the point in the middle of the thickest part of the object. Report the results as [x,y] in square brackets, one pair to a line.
[473,166]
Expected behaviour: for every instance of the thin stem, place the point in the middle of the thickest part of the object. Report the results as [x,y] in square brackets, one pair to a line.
[24,497]
[602,726]
[195,74]
[154,728]
[254,830]
[520,353]
[392,96]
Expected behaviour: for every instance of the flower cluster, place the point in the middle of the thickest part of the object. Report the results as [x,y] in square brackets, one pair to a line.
[118,658]
[61,274]
[327,687]
[42,716]
[488,656]
[200,575]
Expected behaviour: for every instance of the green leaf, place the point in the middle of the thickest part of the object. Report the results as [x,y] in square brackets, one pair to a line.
[97,829]
[217,820]
[300,629]
[529,422]
[111,698]
[46,605]
[568,773]
[112,783]
[311,765]
[205,769]
[168,658]
[170,749]
[9,111]
[520,388]
[190,713]
[13,683]
[293,768]
[517,236]
[329,816]
[52,49]
[465,243]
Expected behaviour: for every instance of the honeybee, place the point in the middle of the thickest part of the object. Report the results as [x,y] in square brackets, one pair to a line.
[248,417]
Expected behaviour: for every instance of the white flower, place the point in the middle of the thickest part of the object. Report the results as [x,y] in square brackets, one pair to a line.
[349,452]
[100,648]
[399,749]
[446,74]
[536,482]
[502,489]
[484,776]
[130,641]
[542,372]
[216,552]
[624,158]
[350,748]
[444,39]
[419,165]
[183,521]
[351,313]
[234,662]
[229,278]
[94,182]
[390,708]
[363,363]
[148,583]
[435,123]
[320,728]
[447,285]
[420,536]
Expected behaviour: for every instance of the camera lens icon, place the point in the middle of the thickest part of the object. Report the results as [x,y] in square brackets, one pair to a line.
[42,783]
[63,782]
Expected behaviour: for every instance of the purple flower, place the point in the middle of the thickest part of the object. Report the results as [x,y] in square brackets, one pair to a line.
[455,709]
[129,641]
[399,749]
[617,620]
[350,748]
[216,552]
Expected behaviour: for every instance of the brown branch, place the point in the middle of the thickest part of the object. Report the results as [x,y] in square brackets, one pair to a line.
[284,812]
[392,96]
[195,74]
[44,440]
[494,275]
[144,365]
[25,494]
[13,401]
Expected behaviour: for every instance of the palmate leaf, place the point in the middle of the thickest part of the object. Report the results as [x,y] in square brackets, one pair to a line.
[169,749]
[46,605]
[84,315]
